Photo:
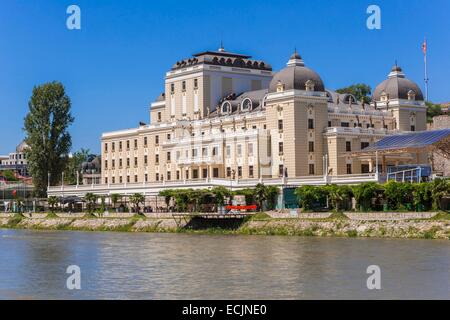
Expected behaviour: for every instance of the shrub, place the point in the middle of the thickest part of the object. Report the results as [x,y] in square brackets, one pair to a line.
[364,193]
[308,196]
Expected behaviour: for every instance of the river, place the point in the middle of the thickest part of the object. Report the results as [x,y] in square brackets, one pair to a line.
[117,265]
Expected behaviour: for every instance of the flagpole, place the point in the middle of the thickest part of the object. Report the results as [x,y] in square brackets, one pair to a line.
[425,68]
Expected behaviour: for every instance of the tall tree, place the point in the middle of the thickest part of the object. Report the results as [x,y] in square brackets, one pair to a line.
[49,141]
[359,90]
[74,166]
[433,110]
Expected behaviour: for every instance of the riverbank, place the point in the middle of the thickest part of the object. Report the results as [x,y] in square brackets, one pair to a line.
[338,225]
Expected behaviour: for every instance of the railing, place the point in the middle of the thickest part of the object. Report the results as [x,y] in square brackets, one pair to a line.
[358,130]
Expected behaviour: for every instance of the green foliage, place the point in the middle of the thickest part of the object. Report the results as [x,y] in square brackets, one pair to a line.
[338,194]
[439,188]
[422,196]
[91,200]
[52,201]
[398,194]
[432,111]
[259,194]
[74,166]
[9,175]
[220,194]
[271,196]
[248,193]
[115,197]
[359,90]
[309,195]
[136,199]
[364,193]
[168,194]
[46,134]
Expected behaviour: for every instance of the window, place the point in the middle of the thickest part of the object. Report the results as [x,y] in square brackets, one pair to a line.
[178,174]
[106,164]
[187,174]
[135,178]
[348,146]
[168,137]
[349,168]
[364,145]
[195,83]
[168,156]
[194,152]
[364,168]
[106,147]
[215,172]
[172,87]
[204,152]
[250,149]
[205,173]
[135,144]
[214,151]
[246,105]
[280,125]
[228,172]
[113,163]
[250,171]
[280,170]
[113,146]
[145,160]
[239,149]
[156,158]
[311,168]
[345,124]
[368,125]
[128,162]
[135,161]
[159,116]
[413,128]
[183,85]
[311,146]
[146,177]
[156,140]
[120,145]
[128,179]
[310,123]
[329,123]
[239,171]
[113,179]
[128,144]
[145,141]
[228,151]
[169,175]
[120,163]
[106,180]
[195,174]
[157,176]
[280,148]
[120,179]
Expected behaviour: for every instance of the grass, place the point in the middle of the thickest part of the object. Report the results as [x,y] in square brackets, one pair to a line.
[441,216]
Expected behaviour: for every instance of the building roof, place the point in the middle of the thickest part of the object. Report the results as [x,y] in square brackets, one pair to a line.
[408,142]
[397,86]
[295,76]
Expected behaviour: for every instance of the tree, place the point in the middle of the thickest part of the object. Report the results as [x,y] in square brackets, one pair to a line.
[364,193]
[91,199]
[432,111]
[271,196]
[397,194]
[136,199]
[115,197]
[52,201]
[74,165]
[359,90]
[308,196]
[168,195]
[422,196]
[338,194]
[9,175]
[220,193]
[49,141]
[439,188]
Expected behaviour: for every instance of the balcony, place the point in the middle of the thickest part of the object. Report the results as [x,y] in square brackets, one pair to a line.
[357,131]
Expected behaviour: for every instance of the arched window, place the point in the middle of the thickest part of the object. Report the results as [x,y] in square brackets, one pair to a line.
[226,107]
[411,95]
[309,85]
[246,104]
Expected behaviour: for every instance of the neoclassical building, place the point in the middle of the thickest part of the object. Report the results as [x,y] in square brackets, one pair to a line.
[225,116]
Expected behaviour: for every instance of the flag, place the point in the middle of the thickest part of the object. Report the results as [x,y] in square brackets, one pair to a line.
[424,47]
[14,193]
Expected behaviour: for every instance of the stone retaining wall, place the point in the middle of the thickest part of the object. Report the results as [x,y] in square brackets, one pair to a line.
[386,216]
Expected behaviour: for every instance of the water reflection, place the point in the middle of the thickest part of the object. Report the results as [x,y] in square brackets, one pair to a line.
[183,266]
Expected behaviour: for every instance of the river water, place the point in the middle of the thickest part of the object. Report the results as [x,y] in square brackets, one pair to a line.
[184,266]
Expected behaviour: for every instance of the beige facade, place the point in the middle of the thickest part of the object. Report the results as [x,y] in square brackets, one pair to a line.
[224,115]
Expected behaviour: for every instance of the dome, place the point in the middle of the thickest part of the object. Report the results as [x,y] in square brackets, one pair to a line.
[295,76]
[397,87]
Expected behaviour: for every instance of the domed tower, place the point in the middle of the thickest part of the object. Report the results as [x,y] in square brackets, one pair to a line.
[297,114]
[404,98]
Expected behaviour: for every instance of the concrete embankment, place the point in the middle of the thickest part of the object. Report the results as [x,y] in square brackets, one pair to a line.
[324,226]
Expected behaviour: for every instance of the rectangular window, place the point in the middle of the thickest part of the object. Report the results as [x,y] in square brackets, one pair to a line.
[310,123]
[348,146]
[169,175]
[250,149]
[195,83]
[145,141]
[113,179]
[280,148]
[113,163]
[156,158]
[128,162]
[349,168]
[215,172]
[168,137]
[205,173]
[311,168]
[120,163]
[145,160]
[135,161]
[228,172]
[250,171]
[178,174]
[345,124]
[329,123]
[195,174]
[120,145]
[168,156]
[157,176]
[187,174]
[106,147]
[159,116]
[106,180]
[172,87]
[156,140]
[311,146]
[413,128]
[204,152]
[120,179]
[280,170]
[183,85]
[113,146]
[214,151]
[128,179]
[135,178]
[194,152]
[239,171]
[106,164]
[280,125]
[128,144]
[364,168]
[364,145]
[146,177]
[135,144]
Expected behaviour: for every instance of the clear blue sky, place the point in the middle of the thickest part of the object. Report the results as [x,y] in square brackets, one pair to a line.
[114,66]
